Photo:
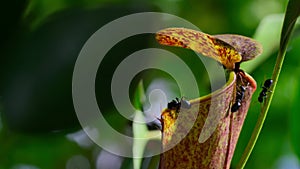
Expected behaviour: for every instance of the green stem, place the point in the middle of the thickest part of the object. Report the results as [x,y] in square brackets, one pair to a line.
[154,162]
[264,112]
[291,15]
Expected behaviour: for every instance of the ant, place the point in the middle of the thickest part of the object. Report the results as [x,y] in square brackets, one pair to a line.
[240,89]
[238,99]
[176,104]
[265,89]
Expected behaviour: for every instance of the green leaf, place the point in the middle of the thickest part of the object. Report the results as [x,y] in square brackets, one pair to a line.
[139,126]
[140,132]
[268,34]
[294,117]
[292,13]
[139,96]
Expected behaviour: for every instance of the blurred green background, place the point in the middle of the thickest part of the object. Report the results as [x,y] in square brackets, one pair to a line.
[41,40]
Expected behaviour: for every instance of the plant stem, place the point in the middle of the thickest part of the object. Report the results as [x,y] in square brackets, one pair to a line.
[264,112]
[291,15]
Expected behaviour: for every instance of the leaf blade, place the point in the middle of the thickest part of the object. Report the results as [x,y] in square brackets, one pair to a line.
[292,13]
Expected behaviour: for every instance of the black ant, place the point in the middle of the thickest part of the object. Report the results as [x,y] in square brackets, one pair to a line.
[241,90]
[238,99]
[263,94]
[176,104]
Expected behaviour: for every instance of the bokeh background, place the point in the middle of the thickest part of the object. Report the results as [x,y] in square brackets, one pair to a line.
[41,39]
